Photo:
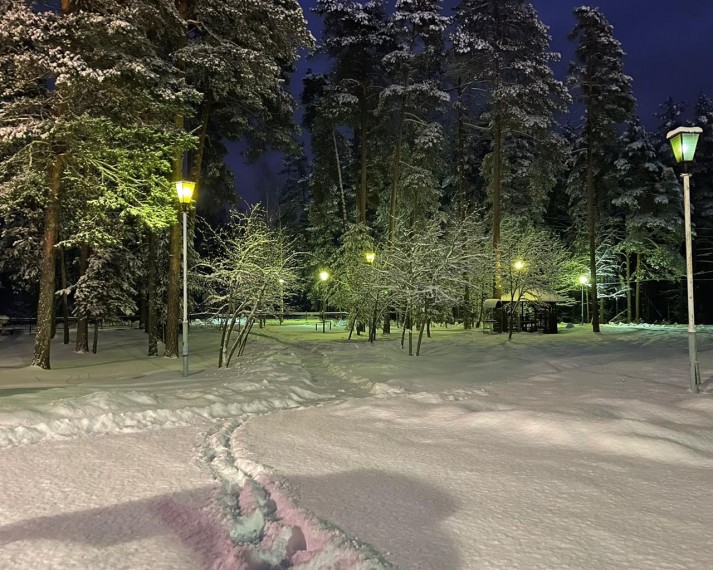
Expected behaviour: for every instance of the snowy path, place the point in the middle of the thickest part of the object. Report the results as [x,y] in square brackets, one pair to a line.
[115,501]
[596,458]
[574,451]
[104,473]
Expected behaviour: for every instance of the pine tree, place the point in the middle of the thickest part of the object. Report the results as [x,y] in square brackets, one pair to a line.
[702,188]
[670,115]
[504,48]
[598,77]
[90,64]
[356,39]
[107,289]
[649,201]
[413,67]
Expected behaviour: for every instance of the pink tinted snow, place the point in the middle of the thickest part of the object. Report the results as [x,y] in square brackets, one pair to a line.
[315,538]
[204,535]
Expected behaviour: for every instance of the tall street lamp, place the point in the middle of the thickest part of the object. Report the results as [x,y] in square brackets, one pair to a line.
[583,280]
[683,143]
[370,257]
[184,189]
[323,278]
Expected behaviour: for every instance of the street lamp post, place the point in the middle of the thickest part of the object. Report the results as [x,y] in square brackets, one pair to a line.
[683,143]
[583,280]
[370,257]
[184,189]
[323,277]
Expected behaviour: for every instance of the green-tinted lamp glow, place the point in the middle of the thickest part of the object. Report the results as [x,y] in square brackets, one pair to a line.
[370,257]
[519,264]
[324,275]
[184,189]
[583,279]
[683,142]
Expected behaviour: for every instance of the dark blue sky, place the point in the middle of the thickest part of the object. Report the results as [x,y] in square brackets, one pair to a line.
[669,47]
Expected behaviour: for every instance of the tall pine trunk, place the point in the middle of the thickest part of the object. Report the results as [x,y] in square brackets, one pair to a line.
[43,337]
[363,146]
[628,287]
[591,226]
[173,298]
[65,303]
[81,343]
[152,304]
[345,219]
[462,205]
[396,170]
[497,214]
[638,287]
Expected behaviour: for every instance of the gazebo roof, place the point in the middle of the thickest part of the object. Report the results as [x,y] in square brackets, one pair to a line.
[535,296]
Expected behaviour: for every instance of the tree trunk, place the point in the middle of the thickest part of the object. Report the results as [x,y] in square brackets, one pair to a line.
[395,171]
[628,287]
[95,341]
[152,305]
[65,303]
[173,303]
[420,332]
[41,356]
[638,287]
[173,300]
[591,225]
[463,206]
[81,343]
[339,177]
[197,162]
[363,154]
[497,215]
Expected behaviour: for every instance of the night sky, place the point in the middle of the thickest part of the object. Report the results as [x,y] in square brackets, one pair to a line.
[669,47]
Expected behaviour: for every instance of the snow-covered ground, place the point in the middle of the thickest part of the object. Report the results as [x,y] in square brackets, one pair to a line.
[551,451]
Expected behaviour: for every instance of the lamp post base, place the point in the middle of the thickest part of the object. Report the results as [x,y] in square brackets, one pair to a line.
[185,348]
[695,373]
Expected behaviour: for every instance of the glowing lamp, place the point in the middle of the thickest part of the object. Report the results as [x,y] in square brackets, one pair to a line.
[519,265]
[683,142]
[324,275]
[583,279]
[184,189]
[370,257]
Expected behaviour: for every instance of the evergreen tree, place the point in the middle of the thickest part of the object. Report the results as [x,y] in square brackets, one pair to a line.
[702,192]
[670,115]
[414,92]
[107,289]
[504,47]
[356,38]
[88,65]
[598,78]
[649,201]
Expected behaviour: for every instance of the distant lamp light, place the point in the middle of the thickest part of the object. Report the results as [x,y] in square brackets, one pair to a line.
[519,265]
[324,275]
[370,257]
[282,281]
[185,189]
[683,142]
[583,279]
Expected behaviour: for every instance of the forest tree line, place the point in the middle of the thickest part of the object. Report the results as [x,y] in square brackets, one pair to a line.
[440,142]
